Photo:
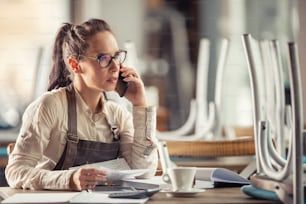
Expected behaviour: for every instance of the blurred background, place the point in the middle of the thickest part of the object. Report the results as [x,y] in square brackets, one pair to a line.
[165,35]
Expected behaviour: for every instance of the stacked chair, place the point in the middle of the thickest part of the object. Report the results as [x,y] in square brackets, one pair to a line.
[202,134]
[279,134]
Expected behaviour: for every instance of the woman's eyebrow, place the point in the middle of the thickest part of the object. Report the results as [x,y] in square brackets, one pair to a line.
[105,53]
[99,54]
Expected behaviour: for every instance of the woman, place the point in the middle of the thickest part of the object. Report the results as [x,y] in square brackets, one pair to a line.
[74,124]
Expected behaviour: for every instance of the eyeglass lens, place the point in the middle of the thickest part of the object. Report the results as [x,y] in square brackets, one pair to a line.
[105,60]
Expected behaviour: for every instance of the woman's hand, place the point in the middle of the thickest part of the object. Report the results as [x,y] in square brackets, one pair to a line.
[86,178]
[136,91]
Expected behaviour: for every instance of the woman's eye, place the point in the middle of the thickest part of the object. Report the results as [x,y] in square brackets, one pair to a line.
[103,57]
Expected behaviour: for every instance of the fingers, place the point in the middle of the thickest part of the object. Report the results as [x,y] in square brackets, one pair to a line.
[129,74]
[136,90]
[88,178]
[92,174]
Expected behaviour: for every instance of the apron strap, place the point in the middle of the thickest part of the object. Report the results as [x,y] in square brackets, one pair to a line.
[112,125]
[72,136]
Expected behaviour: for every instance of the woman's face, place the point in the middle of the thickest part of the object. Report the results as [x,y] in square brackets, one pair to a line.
[92,74]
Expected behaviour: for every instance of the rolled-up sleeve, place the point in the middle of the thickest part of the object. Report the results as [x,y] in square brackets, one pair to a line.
[138,143]
[144,147]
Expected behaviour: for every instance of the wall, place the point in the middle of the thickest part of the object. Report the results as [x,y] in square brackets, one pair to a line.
[26,27]
[125,17]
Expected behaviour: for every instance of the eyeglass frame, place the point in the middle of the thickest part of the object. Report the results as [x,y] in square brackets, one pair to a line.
[111,57]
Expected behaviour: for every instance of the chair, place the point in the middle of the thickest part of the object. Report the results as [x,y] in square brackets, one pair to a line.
[207,140]
[281,175]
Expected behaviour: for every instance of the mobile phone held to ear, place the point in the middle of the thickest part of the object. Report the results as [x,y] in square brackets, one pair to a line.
[121,86]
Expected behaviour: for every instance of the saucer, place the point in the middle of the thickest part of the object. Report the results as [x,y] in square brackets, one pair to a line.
[189,193]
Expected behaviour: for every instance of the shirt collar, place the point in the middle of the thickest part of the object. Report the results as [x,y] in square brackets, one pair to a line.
[83,106]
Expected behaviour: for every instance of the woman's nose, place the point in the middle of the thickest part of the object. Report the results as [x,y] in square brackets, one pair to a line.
[114,66]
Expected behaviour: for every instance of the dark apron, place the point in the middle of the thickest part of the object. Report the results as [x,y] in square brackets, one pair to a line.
[78,152]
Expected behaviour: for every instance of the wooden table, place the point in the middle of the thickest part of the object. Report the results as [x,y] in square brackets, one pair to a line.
[217,195]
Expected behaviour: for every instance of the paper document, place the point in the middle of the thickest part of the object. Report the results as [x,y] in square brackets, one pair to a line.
[69,197]
[116,164]
[50,197]
[153,182]
[96,197]
[118,169]
[220,176]
[114,175]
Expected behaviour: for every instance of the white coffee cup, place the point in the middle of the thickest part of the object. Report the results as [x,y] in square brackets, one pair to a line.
[181,178]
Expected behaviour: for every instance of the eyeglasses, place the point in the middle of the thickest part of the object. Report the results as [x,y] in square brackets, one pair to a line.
[104,60]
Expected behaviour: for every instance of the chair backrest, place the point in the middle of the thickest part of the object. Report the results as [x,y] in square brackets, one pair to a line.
[10,148]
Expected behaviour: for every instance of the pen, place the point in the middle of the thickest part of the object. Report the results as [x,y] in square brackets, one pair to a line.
[90,188]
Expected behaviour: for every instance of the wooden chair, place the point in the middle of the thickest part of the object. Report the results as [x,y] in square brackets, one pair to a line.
[242,145]
[214,148]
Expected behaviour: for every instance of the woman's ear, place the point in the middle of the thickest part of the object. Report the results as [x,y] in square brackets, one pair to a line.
[74,64]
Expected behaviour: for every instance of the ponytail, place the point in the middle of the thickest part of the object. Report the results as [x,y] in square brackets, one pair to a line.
[59,76]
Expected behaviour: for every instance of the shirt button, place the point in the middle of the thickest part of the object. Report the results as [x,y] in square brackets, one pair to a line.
[95,118]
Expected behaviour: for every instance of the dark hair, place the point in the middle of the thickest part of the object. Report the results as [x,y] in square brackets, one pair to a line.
[71,40]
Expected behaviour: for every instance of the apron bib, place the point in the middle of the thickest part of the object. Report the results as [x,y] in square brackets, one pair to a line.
[79,152]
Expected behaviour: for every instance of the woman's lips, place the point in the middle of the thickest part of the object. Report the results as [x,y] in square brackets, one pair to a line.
[113,80]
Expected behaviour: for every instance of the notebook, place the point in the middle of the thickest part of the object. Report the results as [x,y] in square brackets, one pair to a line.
[221,177]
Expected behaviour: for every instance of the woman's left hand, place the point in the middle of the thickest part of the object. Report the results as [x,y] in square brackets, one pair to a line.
[136,91]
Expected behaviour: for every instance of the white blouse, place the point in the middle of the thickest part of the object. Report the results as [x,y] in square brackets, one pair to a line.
[42,139]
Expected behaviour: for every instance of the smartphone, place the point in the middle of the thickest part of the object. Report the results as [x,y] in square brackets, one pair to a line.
[121,86]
